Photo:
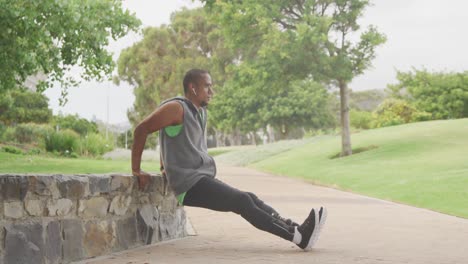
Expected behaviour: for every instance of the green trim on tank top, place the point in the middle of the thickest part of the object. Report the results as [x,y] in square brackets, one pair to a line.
[173,131]
[181,198]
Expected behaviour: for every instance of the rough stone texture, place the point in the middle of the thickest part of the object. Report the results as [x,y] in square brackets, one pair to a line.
[80,216]
[2,241]
[1,210]
[143,198]
[14,187]
[156,184]
[60,207]
[94,207]
[24,243]
[34,207]
[122,183]
[72,240]
[126,233]
[53,243]
[147,224]
[73,187]
[169,204]
[13,209]
[99,238]
[45,186]
[169,223]
[120,204]
[99,185]
[156,197]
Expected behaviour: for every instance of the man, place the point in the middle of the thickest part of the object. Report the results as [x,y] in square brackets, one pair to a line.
[191,171]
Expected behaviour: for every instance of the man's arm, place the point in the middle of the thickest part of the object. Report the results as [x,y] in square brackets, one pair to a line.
[169,114]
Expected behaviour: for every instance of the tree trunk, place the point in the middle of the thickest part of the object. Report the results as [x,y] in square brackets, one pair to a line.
[254,138]
[271,134]
[345,134]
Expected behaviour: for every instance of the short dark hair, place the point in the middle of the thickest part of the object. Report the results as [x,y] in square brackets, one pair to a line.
[193,76]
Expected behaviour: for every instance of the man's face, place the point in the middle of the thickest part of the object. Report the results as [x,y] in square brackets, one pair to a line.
[204,90]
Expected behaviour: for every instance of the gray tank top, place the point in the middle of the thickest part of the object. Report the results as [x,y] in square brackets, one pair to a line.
[185,156]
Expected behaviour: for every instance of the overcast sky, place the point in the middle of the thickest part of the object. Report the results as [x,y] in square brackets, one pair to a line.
[420,33]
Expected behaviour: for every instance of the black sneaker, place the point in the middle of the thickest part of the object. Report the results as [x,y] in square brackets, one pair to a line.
[323,213]
[308,230]
[287,221]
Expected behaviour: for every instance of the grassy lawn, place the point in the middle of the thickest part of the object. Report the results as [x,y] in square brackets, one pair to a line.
[421,164]
[10,163]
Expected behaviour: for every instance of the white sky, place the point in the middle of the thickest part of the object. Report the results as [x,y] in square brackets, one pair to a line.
[420,33]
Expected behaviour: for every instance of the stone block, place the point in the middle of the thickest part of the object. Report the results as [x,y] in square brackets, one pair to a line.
[156,198]
[122,183]
[94,207]
[156,184]
[169,204]
[168,225]
[60,207]
[72,231]
[99,185]
[34,207]
[24,243]
[44,186]
[14,187]
[147,224]
[126,233]
[143,198]
[120,204]
[99,238]
[53,243]
[73,187]
[172,225]
[13,209]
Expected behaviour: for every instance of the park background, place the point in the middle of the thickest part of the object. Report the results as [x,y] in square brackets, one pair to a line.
[277,106]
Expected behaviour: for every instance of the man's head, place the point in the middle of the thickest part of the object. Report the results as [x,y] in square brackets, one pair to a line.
[198,87]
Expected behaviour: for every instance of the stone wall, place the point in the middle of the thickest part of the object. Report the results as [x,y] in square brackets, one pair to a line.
[48,219]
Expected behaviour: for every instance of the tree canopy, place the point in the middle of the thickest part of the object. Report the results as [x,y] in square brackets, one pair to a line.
[51,36]
[156,65]
[20,106]
[286,41]
[444,95]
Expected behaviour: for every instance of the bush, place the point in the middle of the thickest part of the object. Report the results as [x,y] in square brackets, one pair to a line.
[12,150]
[9,134]
[393,112]
[65,141]
[75,123]
[32,133]
[360,119]
[422,116]
[95,145]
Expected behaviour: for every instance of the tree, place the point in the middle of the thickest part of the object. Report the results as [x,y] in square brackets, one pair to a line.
[444,95]
[51,36]
[20,106]
[157,64]
[366,100]
[300,39]
[75,123]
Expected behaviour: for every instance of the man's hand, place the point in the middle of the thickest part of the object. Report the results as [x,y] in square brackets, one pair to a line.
[143,178]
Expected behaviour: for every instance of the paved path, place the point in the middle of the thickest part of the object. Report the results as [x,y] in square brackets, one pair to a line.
[359,230]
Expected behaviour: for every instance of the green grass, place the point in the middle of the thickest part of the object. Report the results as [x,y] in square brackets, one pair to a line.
[244,155]
[11,163]
[422,164]
[14,163]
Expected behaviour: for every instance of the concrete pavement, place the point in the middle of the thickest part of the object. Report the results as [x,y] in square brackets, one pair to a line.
[359,229]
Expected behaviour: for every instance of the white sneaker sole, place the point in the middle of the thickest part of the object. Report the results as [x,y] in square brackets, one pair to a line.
[313,238]
[322,221]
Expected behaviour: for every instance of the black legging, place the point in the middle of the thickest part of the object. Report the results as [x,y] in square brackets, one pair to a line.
[213,194]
